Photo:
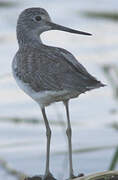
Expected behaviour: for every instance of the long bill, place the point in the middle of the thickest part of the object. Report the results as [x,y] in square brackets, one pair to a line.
[62,28]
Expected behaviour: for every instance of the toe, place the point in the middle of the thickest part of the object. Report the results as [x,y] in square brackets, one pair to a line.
[49,177]
[34,178]
[80,175]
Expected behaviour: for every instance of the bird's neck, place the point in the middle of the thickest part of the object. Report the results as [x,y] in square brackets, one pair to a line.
[28,38]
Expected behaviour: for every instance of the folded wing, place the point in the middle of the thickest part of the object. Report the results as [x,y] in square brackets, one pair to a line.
[56,69]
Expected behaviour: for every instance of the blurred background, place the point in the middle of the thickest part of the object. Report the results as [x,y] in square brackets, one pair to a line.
[94,115]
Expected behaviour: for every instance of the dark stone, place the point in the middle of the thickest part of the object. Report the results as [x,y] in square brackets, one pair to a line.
[34,178]
[114,177]
[49,177]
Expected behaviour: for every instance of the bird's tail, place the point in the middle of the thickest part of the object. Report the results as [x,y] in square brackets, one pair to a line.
[95,85]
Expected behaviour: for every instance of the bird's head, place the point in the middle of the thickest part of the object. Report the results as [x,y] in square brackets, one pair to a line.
[34,21]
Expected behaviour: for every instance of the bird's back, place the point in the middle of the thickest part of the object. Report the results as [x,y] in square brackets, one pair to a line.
[54,70]
[50,68]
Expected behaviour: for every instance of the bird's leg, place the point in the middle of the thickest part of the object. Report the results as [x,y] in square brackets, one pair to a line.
[69,134]
[48,134]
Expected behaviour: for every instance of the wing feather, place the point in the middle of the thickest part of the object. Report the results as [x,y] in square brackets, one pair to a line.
[54,69]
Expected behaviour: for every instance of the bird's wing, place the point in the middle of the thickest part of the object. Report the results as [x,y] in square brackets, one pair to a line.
[56,69]
[73,61]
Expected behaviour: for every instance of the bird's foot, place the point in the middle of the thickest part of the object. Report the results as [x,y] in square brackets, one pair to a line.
[45,177]
[73,176]
[48,177]
[34,178]
[80,175]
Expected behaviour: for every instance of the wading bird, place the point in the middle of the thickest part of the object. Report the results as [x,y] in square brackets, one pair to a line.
[48,74]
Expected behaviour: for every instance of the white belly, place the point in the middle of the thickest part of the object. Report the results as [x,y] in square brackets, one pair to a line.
[43,98]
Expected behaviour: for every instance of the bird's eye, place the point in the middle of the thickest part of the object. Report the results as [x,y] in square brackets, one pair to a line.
[37,18]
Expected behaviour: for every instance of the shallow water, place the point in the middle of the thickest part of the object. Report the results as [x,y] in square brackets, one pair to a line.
[22,144]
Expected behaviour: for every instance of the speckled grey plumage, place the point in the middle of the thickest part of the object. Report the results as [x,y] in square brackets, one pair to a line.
[46,68]
[48,74]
